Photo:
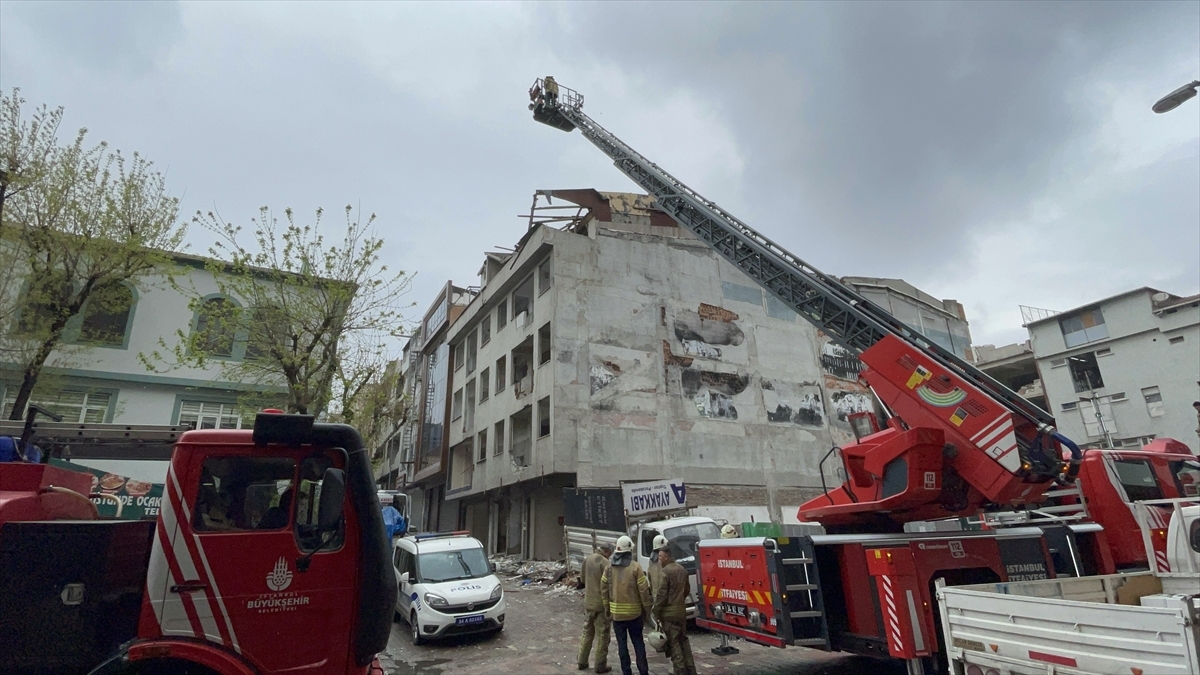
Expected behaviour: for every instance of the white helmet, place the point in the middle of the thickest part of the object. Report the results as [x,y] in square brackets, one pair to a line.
[728,532]
[660,542]
[657,639]
[624,544]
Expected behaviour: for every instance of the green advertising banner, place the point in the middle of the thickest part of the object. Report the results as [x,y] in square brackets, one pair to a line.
[138,499]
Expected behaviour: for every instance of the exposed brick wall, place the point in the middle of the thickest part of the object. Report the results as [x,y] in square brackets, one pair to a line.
[715,313]
[670,359]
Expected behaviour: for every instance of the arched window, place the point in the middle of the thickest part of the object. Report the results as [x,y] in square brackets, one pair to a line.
[106,316]
[215,327]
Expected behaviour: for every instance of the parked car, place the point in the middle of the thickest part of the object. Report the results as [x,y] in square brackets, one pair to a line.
[446,586]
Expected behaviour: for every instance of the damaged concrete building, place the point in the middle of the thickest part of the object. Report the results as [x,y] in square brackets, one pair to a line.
[613,346]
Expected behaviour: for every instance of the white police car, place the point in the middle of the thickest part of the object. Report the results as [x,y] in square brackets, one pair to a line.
[446,586]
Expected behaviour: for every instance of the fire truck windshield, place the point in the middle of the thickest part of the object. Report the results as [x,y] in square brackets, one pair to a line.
[438,566]
[1187,477]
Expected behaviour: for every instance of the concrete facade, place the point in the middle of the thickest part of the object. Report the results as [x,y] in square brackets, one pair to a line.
[1134,357]
[1015,367]
[620,348]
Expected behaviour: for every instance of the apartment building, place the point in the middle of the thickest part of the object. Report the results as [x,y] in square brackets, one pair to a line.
[414,454]
[95,374]
[613,346]
[1124,370]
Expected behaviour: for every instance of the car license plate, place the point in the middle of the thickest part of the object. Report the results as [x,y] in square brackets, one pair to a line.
[732,609]
[468,620]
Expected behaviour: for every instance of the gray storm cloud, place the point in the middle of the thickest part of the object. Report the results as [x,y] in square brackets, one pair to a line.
[999,153]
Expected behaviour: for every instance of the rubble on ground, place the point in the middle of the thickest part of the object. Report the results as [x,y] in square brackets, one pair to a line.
[549,576]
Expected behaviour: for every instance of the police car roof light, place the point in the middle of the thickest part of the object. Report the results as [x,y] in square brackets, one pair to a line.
[439,535]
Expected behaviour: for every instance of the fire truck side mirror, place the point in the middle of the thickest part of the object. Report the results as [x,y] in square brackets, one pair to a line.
[333,493]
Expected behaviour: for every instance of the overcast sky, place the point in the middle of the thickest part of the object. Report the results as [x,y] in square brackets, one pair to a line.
[1000,154]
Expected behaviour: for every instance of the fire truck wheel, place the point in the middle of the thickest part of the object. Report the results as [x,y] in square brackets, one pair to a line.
[417,638]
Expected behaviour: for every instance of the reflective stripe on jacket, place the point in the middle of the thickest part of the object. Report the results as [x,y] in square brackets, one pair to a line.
[627,590]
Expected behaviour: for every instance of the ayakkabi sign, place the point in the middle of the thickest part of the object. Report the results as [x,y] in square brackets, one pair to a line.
[654,496]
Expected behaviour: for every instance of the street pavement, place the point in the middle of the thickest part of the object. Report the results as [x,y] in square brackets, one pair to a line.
[541,637]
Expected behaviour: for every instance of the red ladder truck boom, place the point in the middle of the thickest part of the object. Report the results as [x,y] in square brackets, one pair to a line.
[957,440]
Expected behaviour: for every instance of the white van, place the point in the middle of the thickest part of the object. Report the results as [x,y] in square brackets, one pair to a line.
[446,586]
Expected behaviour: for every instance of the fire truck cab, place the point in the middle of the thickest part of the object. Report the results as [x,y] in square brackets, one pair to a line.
[268,556]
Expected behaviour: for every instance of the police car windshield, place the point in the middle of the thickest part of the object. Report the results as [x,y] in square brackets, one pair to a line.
[438,566]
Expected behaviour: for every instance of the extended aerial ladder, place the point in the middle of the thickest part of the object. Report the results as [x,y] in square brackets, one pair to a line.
[957,440]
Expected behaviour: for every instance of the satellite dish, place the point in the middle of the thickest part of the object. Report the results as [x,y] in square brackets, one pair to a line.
[1160,297]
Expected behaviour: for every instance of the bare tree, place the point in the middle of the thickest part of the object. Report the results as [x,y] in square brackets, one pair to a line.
[366,393]
[80,223]
[288,305]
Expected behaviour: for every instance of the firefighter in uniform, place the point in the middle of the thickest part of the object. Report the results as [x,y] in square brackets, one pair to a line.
[670,610]
[627,590]
[599,623]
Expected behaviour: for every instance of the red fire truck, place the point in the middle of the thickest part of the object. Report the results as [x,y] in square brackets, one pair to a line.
[267,556]
[964,481]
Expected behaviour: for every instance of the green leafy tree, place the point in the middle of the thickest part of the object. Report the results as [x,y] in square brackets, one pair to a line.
[292,308]
[79,223]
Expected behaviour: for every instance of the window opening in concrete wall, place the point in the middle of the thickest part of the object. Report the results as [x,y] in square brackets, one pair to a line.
[1103,352]
[462,469]
[502,314]
[1085,372]
[1086,326]
[1071,405]
[485,329]
[460,351]
[522,368]
[1176,340]
[106,318]
[472,348]
[498,438]
[523,303]
[456,405]
[544,344]
[1154,401]
[501,373]
[469,408]
[544,417]
[544,278]
[482,443]
[522,436]
[485,383]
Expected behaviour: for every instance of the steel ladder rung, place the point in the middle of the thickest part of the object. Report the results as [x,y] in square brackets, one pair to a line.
[809,642]
[803,587]
[807,614]
[797,561]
